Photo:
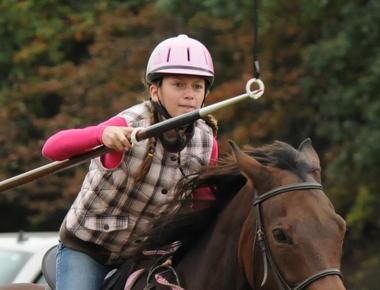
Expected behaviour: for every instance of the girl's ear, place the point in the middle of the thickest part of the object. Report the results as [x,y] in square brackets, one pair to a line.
[153,90]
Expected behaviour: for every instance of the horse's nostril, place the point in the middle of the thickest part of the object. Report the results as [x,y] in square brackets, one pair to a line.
[281,237]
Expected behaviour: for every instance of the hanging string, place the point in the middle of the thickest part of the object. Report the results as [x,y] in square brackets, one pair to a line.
[256,64]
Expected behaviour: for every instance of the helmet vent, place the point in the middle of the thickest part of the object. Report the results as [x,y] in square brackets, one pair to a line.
[206,60]
[168,56]
[188,54]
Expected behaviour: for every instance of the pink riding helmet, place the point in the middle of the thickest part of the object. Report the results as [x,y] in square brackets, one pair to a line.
[180,55]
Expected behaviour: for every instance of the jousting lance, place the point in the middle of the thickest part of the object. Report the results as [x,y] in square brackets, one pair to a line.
[138,134]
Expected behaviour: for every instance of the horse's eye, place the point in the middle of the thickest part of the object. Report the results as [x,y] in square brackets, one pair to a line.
[281,237]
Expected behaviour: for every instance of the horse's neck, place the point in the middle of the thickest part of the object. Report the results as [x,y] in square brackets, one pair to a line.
[213,262]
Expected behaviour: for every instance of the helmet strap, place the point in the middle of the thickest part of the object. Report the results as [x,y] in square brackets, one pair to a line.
[174,140]
[161,110]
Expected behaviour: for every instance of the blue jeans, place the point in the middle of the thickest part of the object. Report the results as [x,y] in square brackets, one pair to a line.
[78,271]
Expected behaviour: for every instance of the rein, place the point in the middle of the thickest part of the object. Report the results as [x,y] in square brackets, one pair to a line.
[264,246]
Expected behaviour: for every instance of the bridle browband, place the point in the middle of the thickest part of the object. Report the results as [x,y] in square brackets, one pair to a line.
[260,238]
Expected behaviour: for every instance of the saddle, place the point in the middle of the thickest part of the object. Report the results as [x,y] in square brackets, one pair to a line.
[155,266]
[126,274]
[48,266]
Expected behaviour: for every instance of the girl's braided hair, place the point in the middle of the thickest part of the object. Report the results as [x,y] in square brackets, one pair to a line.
[152,142]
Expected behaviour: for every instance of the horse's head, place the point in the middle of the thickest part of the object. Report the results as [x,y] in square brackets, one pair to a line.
[302,234]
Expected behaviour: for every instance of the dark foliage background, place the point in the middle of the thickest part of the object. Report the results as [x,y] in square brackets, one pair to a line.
[74,63]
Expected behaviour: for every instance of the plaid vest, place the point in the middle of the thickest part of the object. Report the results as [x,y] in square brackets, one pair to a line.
[110,212]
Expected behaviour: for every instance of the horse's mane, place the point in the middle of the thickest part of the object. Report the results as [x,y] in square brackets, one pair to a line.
[225,180]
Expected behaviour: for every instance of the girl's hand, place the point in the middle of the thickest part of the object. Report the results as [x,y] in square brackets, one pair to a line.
[117,138]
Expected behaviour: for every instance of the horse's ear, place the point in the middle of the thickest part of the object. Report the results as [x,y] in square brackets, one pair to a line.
[309,152]
[248,165]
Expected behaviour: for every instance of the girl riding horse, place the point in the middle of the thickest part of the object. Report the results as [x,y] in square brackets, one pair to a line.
[127,189]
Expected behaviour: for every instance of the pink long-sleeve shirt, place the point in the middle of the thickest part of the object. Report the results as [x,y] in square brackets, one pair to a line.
[68,143]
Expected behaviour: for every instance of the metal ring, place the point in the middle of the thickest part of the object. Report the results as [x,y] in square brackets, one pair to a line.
[256,93]
[134,141]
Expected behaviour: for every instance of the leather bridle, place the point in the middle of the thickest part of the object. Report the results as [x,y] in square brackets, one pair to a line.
[264,246]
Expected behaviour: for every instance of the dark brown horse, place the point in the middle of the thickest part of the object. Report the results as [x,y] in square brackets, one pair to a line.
[271,226]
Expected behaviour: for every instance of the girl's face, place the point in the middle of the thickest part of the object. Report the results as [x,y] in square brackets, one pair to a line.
[179,94]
